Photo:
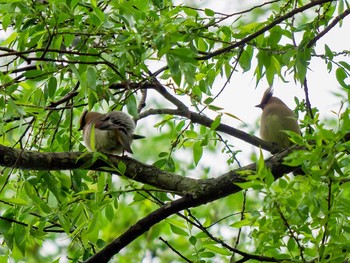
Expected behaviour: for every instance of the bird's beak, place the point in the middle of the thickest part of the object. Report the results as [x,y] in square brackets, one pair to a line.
[259,106]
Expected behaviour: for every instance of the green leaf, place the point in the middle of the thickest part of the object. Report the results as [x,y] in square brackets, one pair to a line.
[5,225]
[291,244]
[302,61]
[215,123]
[170,165]
[341,77]
[245,59]
[6,21]
[160,163]
[215,108]
[52,87]
[207,254]
[239,224]
[68,39]
[328,52]
[282,183]
[174,67]
[218,250]
[184,54]
[121,167]
[20,236]
[345,65]
[193,240]
[15,201]
[8,41]
[190,11]
[234,117]
[92,224]
[209,12]
[109,212]
[202,44]
[138,198]
[197,152]
[245,185]
[191,134]
[132,106]
[200,76]
[92,138]
[92,98]
[208,100]
[163,154]
[57,43]
[177,230]
[91,78]
[275,36]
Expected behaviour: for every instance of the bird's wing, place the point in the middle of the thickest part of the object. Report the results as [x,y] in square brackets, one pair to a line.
[110,124]
[124,140]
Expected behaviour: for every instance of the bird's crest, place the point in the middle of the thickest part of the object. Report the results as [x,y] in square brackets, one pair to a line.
[266,97]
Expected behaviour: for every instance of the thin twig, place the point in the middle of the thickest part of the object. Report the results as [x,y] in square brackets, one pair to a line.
[173,249]
[205,121]
[143,99]
[242,216]
[232,249]
[291,233]
[328,28]
[308,103]
[264,29]
[329,207]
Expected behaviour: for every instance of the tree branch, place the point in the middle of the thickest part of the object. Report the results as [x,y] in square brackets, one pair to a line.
[205,121]
[221,186]
[329,27]
[139,228]
[208,191]
[264,29]
[195,192]
[182,110]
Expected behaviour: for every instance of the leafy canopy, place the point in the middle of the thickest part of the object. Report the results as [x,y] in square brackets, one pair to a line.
[163,62]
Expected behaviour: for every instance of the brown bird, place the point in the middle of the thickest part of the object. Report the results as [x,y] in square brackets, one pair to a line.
[113,132]
[275,119]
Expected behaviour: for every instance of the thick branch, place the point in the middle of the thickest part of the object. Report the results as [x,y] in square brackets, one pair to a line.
[31,160]
[219,187]
[195,192]
[210,190]
[139,228]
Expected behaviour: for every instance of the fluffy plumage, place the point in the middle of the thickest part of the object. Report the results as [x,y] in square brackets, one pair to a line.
[276,118]
[113,132]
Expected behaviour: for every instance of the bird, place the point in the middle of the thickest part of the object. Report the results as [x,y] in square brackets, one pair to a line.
[275,119]
[110,133]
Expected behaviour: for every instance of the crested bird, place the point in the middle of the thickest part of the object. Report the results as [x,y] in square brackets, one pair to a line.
[110,133]
[275,119]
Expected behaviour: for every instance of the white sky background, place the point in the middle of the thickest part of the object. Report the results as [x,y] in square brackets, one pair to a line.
[240,96]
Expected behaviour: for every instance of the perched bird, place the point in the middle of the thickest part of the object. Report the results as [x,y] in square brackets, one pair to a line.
[113,132]
[275,119]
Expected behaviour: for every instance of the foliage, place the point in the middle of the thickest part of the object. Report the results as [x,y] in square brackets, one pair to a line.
[61,57]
